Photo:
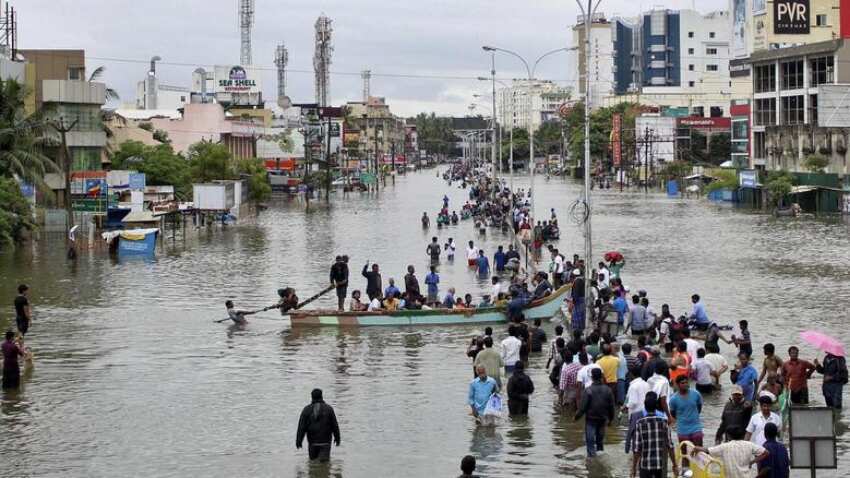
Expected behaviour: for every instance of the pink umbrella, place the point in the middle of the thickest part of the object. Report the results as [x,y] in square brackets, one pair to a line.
[824,342]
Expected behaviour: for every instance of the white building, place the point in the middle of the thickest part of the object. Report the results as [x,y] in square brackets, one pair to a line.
[530,102]
[152,95]
[602,68]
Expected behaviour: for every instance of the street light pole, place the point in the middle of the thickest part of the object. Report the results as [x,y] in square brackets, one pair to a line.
[588,249]
[493,123]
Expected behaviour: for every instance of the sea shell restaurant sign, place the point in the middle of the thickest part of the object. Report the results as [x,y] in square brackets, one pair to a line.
[791,17]
[235,79]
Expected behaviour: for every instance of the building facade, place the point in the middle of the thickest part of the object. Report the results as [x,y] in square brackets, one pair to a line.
[602,68]
[530,103]
[785,114]
[677,58]
[77,103]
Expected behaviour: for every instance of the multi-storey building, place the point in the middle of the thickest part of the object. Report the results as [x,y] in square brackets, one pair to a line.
[786,125]
[674,58]
[602,76]
[530,103]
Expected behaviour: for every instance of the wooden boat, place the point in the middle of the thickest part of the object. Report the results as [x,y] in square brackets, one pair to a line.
[539,309]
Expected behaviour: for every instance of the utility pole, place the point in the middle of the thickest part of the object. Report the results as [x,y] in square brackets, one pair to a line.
[307,165]
[60,128]
[646,162]
[377,162]
[328,163]
[493,123]
[393,159]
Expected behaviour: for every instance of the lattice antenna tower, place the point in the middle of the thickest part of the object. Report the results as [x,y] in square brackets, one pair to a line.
[8,30]
[246,22]
[281,59]
[322,59]
[367,79]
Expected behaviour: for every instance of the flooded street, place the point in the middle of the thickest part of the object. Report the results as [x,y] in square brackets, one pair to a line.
[132,377]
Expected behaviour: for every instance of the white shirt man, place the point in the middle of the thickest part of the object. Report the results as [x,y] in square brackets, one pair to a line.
[692,347]
[375,304]
[471,254]
[606,276]
[660,385]
[584,374]
[718,364]
[638,388]
[703,369]
[757,423]
[559,264]
[510,351]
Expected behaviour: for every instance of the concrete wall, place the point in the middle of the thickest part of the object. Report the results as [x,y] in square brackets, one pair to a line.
[53,65]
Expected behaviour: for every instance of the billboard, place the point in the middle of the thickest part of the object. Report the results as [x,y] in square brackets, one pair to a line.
[791,17]
[616,144]
[707,123]
[237,79]
[833,102]
[739,28]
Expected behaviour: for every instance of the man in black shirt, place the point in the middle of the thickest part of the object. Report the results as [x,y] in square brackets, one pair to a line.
[23,313]
[339,278]
[520,387]
[318,423]
[411,283]
[373,281]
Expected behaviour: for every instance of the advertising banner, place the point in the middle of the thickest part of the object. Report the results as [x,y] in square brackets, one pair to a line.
[137,181]
[791,17]
[739,28]
[616,147]
[237,79]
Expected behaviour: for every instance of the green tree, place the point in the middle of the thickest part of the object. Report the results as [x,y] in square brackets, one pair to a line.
[15,214]
[160,164]
[548,138]
[22,138]
[209,161]
[520,147]
[779,184]
[816,163]
[434,133]
[258,178]
[720,147]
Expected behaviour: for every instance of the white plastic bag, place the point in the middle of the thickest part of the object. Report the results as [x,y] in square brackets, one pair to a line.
[494,406]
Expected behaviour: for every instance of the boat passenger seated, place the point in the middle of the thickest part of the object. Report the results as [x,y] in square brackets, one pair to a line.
[485,302]
[356,305]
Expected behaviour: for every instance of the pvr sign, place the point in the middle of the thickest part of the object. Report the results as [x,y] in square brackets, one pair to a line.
[791,17]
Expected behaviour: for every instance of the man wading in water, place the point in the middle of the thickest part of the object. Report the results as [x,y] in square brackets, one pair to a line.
[318,423]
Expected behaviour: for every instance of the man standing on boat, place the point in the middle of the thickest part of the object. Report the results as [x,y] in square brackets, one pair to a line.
[411,283]
[432,280]
[373,281]
[339,278]
[318,423]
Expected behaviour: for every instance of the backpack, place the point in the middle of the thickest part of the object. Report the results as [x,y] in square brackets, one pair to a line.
[841,376]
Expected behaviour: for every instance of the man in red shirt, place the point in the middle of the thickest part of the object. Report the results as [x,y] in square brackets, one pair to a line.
[796,373]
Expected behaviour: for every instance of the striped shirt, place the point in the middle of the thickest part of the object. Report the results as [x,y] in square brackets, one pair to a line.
[569,375]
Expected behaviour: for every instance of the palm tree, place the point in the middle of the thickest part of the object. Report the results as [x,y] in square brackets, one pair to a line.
[96,75]
[22,138]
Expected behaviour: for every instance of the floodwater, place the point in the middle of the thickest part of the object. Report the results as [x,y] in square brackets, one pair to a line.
[133,378]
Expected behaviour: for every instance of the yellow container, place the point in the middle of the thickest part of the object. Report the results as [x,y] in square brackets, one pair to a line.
[702,465]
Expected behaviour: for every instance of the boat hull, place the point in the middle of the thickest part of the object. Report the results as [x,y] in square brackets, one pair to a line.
[543,309]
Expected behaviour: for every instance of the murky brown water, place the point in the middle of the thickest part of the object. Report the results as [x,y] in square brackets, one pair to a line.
[132,378]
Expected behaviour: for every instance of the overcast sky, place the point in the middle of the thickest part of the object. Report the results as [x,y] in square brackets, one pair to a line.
[402,37]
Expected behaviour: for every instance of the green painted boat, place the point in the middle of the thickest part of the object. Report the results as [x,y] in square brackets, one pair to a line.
[540,309]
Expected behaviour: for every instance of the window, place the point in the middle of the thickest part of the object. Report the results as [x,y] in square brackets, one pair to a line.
[698,111]
[715,112]
[690,34]
[820,20]
[764,78]
[764,113]
[691,84]
[792,110]
[690,67]
[813,109]
[791,74]
[822,70]
[710,67]
[711,51]
[690,51]
[740,130]
[710,34]
[77,73]
[758,145]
